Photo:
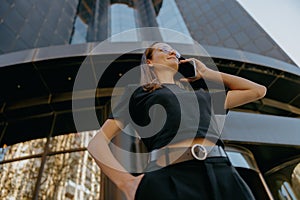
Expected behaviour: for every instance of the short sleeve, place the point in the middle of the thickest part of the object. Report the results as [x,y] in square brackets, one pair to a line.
[218,102]
[120,107]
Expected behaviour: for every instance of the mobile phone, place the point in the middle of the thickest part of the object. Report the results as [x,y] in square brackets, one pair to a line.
[187,69]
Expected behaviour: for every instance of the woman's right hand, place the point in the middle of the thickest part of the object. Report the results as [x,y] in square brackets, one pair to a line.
[130,186]
[201,68]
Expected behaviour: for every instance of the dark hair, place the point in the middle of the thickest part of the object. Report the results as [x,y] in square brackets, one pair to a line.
[149,79]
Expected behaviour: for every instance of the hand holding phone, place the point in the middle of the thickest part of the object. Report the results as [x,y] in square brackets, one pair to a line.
[187,69]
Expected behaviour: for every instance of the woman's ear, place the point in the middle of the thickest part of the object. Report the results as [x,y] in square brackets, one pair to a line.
[149,62]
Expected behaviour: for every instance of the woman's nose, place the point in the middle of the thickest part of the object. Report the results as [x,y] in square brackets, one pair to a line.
[172,52]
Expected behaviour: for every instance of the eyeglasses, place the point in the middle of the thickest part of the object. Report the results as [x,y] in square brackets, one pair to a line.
[167,50]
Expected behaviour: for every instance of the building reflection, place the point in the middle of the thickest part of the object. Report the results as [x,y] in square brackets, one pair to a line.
[284,180]
[67,173]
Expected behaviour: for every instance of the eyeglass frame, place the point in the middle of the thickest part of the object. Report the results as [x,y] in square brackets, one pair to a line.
[169,51]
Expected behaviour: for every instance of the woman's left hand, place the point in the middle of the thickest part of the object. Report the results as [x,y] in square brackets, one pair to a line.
[130,187]
[200,70]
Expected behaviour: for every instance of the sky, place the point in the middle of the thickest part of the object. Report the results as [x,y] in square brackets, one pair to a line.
[281,20]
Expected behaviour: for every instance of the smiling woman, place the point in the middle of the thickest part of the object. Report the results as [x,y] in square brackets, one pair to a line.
[163,60]
[36,91]
[182,139]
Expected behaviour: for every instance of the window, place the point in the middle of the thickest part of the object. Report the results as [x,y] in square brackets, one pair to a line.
[122,19]
[284,180]
[80,32]
[169,17]
[68,172]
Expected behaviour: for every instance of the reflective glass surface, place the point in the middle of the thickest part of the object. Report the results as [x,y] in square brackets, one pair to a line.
[80,31]
[70,176]
[34,24]
[170,17]
[22,150]
[18,179]
[122,19]
[83,19]
[284,180]
[68,171]
[71,141]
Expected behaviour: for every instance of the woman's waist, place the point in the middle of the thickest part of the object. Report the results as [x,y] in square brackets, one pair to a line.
[188,149]
[180,140]
[191,142]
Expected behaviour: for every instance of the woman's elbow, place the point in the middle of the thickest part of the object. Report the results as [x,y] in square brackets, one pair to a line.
[94,144]
[90,146]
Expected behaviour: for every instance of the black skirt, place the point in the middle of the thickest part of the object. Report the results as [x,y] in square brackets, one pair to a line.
[212,179]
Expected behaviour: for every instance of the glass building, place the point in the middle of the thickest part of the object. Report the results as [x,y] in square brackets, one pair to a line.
[43,45]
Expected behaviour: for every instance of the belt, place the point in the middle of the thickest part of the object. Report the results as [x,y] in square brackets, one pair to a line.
[167,156]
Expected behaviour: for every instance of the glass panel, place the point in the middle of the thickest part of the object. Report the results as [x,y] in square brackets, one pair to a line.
[18,179]
[3,151]
[71,141]
[238,160]
[286,192]
[296,180]
[284,180]
[84,16]
[70,176]
[170,17]
[80,31]
[23,149]
[122,19]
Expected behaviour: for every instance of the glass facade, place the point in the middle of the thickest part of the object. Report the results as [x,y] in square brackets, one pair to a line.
[170,17]
[46,23]
[21,176]
[122,19]
[284,180]
[58,169]
[80,31]
[31,24]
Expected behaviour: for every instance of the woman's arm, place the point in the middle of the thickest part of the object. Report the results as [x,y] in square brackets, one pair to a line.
[241,91]
[100,151]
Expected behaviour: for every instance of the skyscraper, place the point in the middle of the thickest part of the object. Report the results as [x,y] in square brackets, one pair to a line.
[45,42]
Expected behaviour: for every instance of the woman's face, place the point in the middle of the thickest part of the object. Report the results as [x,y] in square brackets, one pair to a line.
[163,55]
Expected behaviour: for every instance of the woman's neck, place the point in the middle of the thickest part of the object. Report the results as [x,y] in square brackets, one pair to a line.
[165,76]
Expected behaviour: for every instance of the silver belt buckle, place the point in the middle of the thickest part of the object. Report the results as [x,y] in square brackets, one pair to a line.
[199,152]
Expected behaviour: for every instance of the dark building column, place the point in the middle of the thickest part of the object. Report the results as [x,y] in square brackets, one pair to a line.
[146,16]
[98,29]
[146,13]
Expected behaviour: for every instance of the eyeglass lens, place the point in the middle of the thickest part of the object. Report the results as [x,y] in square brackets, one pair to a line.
[169,51]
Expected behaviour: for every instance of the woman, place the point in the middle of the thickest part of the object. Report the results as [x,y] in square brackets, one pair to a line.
[202,170]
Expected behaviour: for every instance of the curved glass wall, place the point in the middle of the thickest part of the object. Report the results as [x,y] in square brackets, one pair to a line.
[170,17]
[122,19]
[58,169]
[31,24]
[284,180]
[38,23]
[243,160]
[80,31]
